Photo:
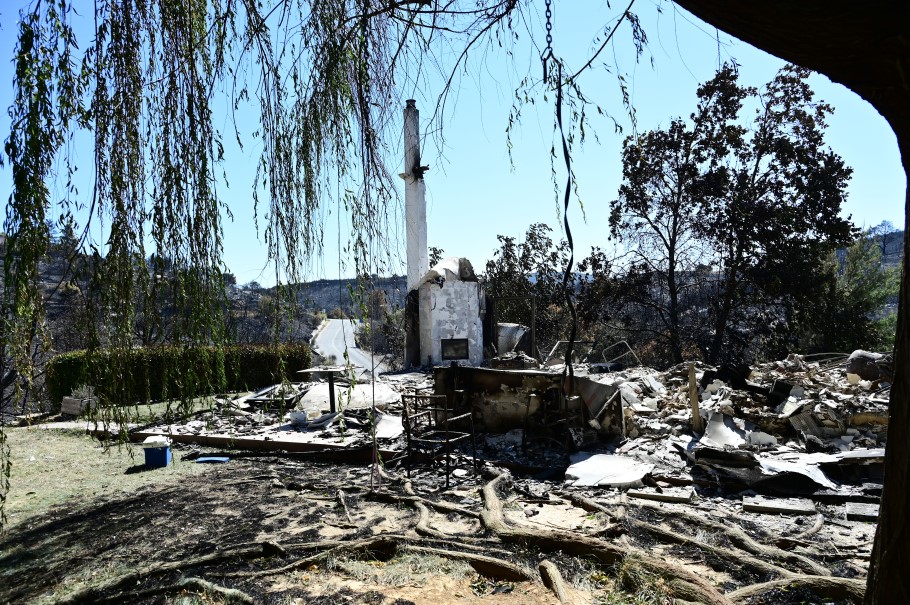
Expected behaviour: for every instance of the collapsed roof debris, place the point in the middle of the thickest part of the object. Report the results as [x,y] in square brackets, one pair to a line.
[791,428]
[295,417]
[603,469]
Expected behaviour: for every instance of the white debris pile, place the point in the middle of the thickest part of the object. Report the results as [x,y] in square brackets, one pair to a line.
[813,406]
[301,412]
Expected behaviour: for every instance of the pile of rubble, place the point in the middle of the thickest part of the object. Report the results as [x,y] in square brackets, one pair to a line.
[811,405]
[298,416]
[792,427]
[796,427]
[808,405]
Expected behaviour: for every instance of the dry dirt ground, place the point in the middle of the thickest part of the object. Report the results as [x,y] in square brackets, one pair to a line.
[272,529]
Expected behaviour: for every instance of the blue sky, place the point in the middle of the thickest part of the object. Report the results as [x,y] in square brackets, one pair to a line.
[473,194]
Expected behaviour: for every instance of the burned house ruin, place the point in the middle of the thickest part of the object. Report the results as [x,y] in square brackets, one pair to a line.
[807,428]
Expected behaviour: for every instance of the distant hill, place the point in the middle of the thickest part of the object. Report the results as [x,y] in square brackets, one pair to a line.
[328,294]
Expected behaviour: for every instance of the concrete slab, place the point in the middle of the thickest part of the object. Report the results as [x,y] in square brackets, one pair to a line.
[273,438]
[778,506]
[670,494]
[93,428]
[858,511]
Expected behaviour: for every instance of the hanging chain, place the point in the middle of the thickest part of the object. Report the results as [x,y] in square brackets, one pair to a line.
[547,53]
[545,57]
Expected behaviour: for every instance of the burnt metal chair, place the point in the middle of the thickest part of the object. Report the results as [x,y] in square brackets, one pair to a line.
[430,423]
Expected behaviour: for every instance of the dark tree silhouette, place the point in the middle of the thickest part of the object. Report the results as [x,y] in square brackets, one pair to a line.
[730,220]
[866,47]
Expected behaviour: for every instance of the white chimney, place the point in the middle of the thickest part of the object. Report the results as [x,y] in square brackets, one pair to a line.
[414,197]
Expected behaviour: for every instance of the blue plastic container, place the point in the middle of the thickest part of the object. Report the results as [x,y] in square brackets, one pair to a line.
[157,457]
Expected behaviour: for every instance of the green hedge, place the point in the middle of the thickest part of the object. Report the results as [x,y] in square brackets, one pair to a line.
[150,374]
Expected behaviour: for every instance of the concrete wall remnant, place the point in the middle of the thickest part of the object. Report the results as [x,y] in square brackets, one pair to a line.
[507,399]
[451,307]
[500,399]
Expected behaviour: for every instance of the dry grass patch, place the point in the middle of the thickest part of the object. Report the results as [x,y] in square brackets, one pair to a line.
[57,467]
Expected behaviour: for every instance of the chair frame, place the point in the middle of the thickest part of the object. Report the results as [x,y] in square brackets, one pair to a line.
[438,433]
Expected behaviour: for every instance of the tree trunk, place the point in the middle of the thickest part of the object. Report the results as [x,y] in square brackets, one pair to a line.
[889,581]
[864,46]
[673,292]
[723,316]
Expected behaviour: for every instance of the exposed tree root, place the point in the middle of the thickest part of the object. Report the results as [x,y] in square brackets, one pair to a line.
[484,548]
[381,548]
[423,512]
[737,536]
[384,548]
[268,547]
[659,533]
[683,583]
[730,556]
[423,523]
[488,547]
[441,506]
[489,567]
[800,539]
[93,594]
[816,527]
[552,579]
[423,515]
[229,596]
[823,586]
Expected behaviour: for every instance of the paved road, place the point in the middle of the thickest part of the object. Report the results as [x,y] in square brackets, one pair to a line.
[338,333]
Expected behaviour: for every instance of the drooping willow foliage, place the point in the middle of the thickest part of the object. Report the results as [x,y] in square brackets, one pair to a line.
[138,102]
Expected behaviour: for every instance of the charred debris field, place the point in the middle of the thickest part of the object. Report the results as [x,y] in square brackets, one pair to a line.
[772,501]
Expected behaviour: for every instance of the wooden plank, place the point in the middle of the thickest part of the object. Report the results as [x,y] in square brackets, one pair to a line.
[669,494]
[778,506]
[879,418]
[859,511]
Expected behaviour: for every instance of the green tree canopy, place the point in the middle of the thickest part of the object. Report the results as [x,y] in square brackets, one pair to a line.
[525,279]
[857,310]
